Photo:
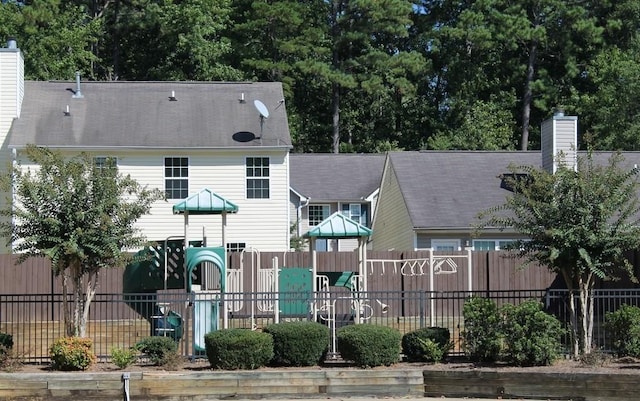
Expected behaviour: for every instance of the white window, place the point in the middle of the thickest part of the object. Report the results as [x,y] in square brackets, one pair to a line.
[102,162]
[317,213]
[446,245]
[491,244]
[236,246]
[322,245]
[355,212]
[176,177]
[257,178]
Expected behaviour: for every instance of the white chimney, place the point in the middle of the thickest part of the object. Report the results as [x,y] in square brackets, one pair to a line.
[11,85]
[559,141]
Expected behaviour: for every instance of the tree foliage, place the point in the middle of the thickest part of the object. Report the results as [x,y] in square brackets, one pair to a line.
[364,75]
[79,215]
[577,222]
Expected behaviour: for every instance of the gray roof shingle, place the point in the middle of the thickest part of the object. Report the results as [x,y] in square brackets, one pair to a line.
[447,189]
[141,115]
[335,177]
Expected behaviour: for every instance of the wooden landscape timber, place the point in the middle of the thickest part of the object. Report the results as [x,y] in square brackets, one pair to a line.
[315,382]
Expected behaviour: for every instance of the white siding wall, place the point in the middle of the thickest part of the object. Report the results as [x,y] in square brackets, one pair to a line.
[392,226]
[260,223]
[559,134]
[11,94]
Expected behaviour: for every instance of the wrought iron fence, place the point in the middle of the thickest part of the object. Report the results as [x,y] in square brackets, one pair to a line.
[122,320]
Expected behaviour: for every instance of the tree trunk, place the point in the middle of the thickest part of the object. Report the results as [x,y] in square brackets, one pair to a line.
[575,337]
[66,308]
[586,312]
[573,320]
[527,97]
[90,292]
[77,306]
[116,43]
[335,112]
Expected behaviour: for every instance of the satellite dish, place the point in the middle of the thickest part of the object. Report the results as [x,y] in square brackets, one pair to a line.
[262,109]
[244,136]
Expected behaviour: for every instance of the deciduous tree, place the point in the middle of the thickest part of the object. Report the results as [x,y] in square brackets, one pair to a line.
[79,215]
[577,223]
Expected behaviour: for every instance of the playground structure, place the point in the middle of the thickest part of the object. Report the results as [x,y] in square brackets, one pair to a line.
[215,292]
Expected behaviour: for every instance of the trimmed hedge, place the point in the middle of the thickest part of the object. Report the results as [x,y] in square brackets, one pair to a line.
[298,343]
[482,335]
[623,330]
[531,336]
[157,348]
[233,349]
[428,344]
[368,345]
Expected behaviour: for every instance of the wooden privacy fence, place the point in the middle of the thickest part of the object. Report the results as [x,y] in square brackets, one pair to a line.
[489,271]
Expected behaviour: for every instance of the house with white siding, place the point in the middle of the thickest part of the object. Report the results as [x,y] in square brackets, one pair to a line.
[431,199]
[180,137]
[322,184]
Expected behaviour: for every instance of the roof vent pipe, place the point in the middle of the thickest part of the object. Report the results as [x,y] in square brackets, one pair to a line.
[12,44]
[78,93]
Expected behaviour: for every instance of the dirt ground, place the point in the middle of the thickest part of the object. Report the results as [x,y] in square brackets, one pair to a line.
[597,364]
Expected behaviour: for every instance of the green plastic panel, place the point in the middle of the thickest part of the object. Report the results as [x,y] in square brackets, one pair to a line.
[296,287]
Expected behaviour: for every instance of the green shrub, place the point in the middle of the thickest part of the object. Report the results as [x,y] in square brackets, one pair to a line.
[298,343]
[531,336]
[428,344]
[369,345]
[623,330]
[72,353]
[482,339]
[6,341]
[122,357]
[238,349]
[157,348]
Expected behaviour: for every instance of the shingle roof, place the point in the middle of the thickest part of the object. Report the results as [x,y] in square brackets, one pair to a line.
[447,189]
[335,177]
[205,202]
[140,114]
[338,226]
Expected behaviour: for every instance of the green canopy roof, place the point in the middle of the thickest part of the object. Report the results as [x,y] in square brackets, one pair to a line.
[338,226]
[205,202]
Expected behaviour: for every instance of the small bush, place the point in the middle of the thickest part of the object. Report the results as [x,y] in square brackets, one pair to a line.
[429,344]
[298,343]
[596,358]
[72,353]
[482,338]
[368,345]
[172,360]
[238,349]
[123,357]
[532,337]
[10,361]
[623,328]
[157,348]
[6,341]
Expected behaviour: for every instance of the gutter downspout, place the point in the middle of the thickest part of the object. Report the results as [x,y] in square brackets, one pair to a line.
[299,214]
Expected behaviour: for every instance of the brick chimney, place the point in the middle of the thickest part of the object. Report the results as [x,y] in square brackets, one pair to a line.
[559,135]
[11,85]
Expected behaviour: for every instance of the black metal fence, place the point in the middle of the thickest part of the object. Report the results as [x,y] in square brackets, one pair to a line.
[122,320]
